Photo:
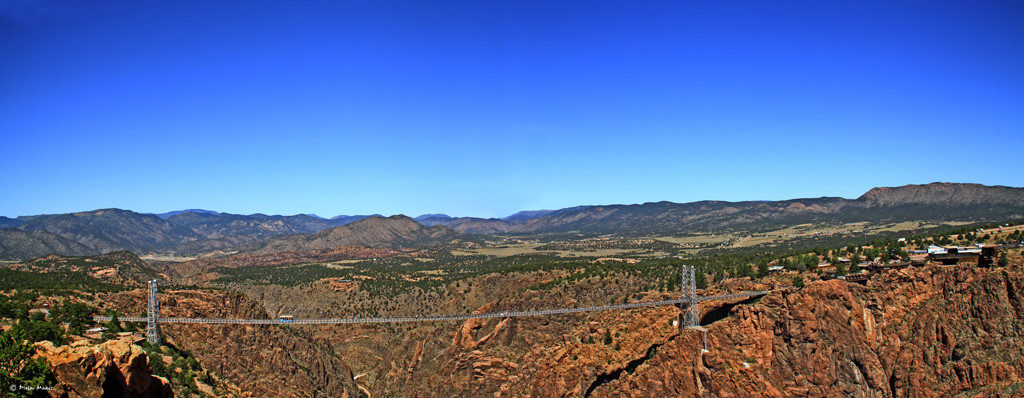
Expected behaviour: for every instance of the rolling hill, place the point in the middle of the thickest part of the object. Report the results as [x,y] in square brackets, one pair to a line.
[387,232]
[120,267]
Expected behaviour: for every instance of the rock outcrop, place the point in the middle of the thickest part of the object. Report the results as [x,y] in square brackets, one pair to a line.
[929,332]
[917,332]
[114,368]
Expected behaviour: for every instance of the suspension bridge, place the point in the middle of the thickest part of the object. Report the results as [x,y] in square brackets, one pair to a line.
[688,317]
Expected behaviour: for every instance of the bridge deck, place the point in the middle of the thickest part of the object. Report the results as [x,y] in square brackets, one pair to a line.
[439,317]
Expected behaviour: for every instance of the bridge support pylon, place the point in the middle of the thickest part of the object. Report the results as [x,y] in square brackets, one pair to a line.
[688,317]
[152,313]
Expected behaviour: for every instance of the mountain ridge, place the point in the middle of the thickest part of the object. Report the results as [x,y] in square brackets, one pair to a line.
[940,193]
[176,212]
[111,229]
[7,222]
[107,230]
[16,244]
[951,201]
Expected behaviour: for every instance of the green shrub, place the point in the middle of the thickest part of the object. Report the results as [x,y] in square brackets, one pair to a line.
[17,367]
[159,367]
[37,330]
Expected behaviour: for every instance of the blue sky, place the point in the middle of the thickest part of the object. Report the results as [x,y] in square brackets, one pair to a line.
[486,108]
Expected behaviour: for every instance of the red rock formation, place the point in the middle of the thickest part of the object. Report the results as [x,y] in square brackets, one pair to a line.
[915,332]
[931,332]
[341,285]
[113,368]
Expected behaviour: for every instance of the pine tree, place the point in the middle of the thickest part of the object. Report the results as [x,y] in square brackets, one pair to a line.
[114,326]
[762,268]
[700,279]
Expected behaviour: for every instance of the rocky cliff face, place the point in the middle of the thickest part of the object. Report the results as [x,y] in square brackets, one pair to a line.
[918,332]
[114,368]
[928,332]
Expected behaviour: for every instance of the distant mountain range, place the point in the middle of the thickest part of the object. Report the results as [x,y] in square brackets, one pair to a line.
[526,215]
[342,220]
[188,231]
[931,202]
[491,225]
[446,220]
[176,212]
[198,231]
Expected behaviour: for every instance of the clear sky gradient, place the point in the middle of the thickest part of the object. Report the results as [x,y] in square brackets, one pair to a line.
[479,108]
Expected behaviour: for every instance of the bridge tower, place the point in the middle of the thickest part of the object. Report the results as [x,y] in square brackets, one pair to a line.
[153,312]
[688,317]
